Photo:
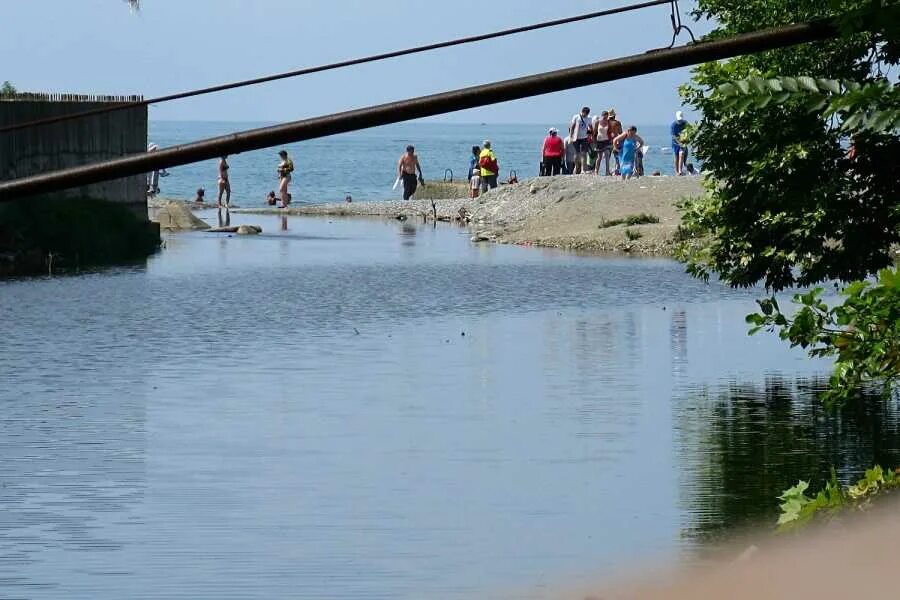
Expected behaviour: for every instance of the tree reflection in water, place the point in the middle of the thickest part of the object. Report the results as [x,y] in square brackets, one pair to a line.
[739,447]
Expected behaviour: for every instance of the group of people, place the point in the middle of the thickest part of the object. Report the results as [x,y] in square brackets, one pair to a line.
[284,170]
[593,143]
[483,170]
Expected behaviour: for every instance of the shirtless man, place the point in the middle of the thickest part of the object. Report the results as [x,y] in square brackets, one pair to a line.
[224,184]
[406,170]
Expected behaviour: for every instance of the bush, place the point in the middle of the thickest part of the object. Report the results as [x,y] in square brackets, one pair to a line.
[641,219]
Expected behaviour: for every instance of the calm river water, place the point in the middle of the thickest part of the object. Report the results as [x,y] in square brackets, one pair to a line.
[368,409]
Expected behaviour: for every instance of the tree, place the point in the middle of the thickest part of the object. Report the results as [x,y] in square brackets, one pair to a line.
[800,196]
[7,89]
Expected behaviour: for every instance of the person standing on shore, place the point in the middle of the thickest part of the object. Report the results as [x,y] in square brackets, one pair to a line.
[490,168]
[224,184]
[678,149]
[475,182]
[569,162]
[285,168]
[615,130]
[406,170]
[579,131]
[552,153]
[473,160]
[628,144]
[603,141]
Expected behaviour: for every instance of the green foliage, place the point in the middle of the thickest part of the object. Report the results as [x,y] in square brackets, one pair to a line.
[785,204]
[803,153]
[633,235]
[872,107]
[862,333]
[639,219]
[798,509]
[7,89]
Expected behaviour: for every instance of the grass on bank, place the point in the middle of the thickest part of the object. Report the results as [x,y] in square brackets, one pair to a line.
[630,220]
[72,234]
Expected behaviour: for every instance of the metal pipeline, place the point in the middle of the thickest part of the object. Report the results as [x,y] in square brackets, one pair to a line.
[425,106]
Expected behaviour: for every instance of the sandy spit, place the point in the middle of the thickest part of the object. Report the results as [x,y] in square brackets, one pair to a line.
[567,212]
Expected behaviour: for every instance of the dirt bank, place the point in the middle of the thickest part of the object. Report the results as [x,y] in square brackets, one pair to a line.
[588,213]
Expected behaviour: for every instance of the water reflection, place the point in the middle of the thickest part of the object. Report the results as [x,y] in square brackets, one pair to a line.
[408,235]
[226,222]
[301,415]
[72,474]
[741,445]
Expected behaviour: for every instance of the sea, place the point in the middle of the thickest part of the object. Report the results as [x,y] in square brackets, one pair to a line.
[363,164]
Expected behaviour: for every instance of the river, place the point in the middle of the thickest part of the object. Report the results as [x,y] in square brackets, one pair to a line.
[375,409]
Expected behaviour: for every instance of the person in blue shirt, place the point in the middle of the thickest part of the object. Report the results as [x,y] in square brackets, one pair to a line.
[678,149]
[629,144]
[473,161]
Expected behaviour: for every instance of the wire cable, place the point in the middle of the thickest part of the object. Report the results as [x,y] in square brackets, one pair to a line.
[338,65]
[426,106]
[677,26]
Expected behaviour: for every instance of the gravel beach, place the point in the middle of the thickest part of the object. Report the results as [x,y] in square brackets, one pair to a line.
[568,212]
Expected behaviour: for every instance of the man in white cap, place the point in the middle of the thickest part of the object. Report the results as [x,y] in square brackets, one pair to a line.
[678,149]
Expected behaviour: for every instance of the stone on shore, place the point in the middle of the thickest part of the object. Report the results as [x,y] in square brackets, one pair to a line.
[176,216]
[249,230]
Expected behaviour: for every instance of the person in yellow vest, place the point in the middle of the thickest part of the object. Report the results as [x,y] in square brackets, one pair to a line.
[487,160]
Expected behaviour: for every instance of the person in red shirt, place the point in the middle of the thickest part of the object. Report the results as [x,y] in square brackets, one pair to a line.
[552,153]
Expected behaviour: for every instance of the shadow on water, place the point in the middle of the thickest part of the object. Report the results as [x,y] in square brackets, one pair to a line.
[742,445]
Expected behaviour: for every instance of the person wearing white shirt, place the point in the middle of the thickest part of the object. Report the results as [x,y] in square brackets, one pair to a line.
[579,131]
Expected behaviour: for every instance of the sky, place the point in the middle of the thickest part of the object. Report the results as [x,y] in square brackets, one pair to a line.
[99,46]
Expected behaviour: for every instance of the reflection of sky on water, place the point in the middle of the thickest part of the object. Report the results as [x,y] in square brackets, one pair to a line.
[300,414]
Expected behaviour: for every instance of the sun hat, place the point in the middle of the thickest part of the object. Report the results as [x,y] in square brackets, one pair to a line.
[679,116]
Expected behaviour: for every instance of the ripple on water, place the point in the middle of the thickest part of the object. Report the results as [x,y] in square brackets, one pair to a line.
[300,415]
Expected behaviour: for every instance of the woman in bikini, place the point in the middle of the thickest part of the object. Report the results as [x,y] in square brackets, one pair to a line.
[224,184]
[285,168]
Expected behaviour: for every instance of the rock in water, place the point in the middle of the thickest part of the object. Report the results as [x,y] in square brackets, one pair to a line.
[176,216]
[249,230]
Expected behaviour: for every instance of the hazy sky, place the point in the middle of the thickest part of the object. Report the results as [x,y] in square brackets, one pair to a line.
[98,46]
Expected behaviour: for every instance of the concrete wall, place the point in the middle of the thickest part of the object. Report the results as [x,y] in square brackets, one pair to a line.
[77,142]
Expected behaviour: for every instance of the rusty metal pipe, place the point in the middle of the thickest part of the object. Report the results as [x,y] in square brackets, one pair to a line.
[425,106]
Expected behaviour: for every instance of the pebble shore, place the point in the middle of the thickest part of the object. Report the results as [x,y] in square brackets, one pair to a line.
[567,212]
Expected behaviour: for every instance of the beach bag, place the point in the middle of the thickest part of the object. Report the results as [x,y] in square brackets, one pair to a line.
[486,162]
